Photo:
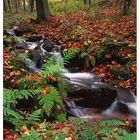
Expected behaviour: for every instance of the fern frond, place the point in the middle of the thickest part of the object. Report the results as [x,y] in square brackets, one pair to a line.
[50,70]
[23,94]
[9,97]
[11,113]
[35,115]
[17,61]
[48,100]
[87,135]
[62,85]
[26,83]
[33,136]
[111,123]
[61,117]
[132,136]
[69,54]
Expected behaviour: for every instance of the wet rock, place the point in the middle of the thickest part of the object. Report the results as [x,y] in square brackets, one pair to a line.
[26,45]
[94,98]
[88,92]
[34,38]
[36,57]
[127,108]
[31,65]
[124,95]
[48,45]
[19,31]
[112,102]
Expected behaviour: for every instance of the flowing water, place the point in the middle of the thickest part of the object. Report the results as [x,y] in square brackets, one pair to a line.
[87,97]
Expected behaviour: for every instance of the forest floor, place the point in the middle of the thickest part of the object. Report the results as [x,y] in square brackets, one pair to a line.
[88,29]
[81,29]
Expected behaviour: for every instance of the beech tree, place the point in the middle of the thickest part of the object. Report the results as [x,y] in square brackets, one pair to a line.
[126,6]
[4,6]
[43,11]
[31,5]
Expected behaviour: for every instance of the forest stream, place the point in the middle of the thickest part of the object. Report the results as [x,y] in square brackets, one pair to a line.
[88,97]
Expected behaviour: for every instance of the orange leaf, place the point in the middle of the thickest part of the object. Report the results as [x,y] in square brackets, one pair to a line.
[60,125]
[46,90]
[73,137]
[112,137]
[127,122]
[115,129]
[24,129]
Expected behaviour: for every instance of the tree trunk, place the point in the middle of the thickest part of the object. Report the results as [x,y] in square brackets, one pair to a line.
[87,2]
[31,3]
[9,5]
[43,11]
[4,6]
[24,5]
[126,6]
[16,5]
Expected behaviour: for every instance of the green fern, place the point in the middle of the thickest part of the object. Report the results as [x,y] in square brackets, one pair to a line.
[87,135]
[33,136]
[24,94]
[62,86]
[50,70]
[17,60]
[48,100]
[60,136]
[110,123]
[132,136]
[69,54]
[35,115]
[61,117]
[106,127]
[11,113]
[83,54]
[9,97]
[27,89]
[25,83]
[10,100]
[107,131]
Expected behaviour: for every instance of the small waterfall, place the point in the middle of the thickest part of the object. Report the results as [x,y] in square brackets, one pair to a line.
[132,108]
[76,111]
[109,111]
[86,79]
[58,58]
[31,65]
[79,81]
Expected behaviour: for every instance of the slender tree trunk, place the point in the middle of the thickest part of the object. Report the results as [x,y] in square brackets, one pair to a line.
[16,5]
[4,6]
[31,3]
[46,9]
[24,5]
[126,6]
[9,5]
[43,11]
